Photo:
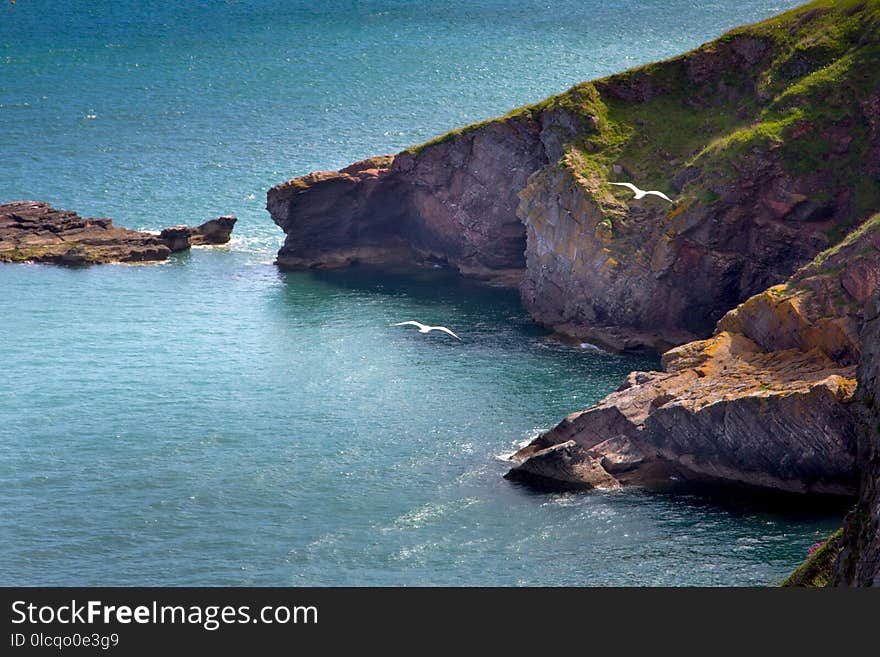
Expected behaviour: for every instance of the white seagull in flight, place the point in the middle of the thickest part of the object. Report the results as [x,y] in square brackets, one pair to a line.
[424,328]
[641,193]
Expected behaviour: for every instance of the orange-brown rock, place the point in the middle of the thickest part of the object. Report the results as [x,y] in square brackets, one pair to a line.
[213,231]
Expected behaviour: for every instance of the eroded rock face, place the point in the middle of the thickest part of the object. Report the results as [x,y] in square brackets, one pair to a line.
[564,465]
[766,140]
[629,274]
[491,203]
[32,231]
[766,402]
[453,202]
[723,411]
[177,238]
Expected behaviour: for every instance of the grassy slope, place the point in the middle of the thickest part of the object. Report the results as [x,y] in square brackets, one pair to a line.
[821,57]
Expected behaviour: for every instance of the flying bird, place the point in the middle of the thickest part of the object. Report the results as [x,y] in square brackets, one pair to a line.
[641,193]
[424,328]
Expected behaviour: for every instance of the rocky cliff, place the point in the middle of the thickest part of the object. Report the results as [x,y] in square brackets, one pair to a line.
[768,139]
[765,402]
[32,231]
[453,202]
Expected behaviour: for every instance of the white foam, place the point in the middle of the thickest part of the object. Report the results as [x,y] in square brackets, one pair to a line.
[518,445]
[587,346]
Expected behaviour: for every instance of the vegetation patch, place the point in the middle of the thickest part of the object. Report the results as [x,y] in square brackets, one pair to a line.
[817,569]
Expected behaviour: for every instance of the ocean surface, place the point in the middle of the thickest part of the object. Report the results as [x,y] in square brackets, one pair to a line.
[213,421]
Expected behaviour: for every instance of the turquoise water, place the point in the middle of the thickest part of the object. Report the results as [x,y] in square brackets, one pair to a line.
[212,420]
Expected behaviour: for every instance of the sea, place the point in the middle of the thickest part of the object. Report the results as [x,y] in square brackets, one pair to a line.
[215,421]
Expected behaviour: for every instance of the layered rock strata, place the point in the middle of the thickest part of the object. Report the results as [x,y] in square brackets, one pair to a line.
[768,139]
[454,203]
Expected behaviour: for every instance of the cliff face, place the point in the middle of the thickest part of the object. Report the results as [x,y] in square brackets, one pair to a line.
[453,202]
[859,561]
[768,139]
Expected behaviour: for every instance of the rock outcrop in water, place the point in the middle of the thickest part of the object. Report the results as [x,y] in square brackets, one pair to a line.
[213,231]
[453,203]
[32,231]
[770,139]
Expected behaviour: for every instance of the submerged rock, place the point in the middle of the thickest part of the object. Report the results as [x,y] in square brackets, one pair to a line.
[33,231]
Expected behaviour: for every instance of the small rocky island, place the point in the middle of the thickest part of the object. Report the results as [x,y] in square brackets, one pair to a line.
[33,231]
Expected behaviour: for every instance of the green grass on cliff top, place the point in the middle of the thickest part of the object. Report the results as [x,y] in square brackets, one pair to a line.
[800,98]
[861,233]
[526,111]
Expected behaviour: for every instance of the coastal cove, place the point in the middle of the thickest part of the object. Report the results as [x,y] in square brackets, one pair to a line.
[178,449]
[216,420]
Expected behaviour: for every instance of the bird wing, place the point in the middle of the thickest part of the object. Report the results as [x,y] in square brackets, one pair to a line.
[445,330]
[660,194]
[410,322]
[633,188]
